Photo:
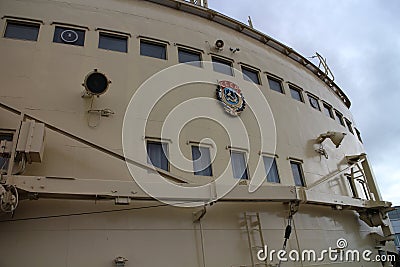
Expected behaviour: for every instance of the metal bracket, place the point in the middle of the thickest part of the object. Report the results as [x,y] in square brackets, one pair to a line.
[198,215]
[294,207]
[122,200]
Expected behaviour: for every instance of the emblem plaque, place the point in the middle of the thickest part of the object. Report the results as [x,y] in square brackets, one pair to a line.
[231,97]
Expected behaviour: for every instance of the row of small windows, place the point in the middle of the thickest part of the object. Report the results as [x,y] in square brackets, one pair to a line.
[157,156]
[296,93]
[151,48]
[66,35]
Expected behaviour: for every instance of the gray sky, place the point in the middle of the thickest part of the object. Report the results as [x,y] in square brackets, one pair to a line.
[361,41]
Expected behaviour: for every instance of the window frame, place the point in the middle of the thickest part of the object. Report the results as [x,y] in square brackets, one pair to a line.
[276,79]
[298,89]
[397,239]
[274,163]
[208,166]
[312,96]
[25,22]
[223,59]
[326,106]
[153,42]
[340,117]
[161,142]
[299,164]
[253,70]
[116,35]
[73,28]
[358,134]
[247,172]
[349,125]
[192,51]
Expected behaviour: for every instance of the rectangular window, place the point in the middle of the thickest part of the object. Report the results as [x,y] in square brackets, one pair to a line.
[201,161]
[314,102]
[339,117]
[157,155]
[271,169]
[239,165]
[22,30]
[222,66]
[275,84]
[251,75]
[297,173]
[296,93]
[152,49]
[396,226]
[349,126]
[113,42]
[397,239]
[358,134]
[190,57]
[328,110]
[394,214]
[4,159]
[69,36]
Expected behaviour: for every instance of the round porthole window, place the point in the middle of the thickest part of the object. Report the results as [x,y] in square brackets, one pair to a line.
[96,83]
[69,36]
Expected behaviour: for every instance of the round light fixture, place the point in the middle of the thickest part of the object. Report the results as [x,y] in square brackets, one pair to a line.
[96,83]
[219,44]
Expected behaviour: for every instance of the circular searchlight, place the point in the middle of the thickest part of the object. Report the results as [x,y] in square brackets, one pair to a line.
[96,83]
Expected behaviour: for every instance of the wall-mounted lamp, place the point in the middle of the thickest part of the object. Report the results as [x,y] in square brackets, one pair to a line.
[336,137]
[95,83]
[219,45]
[120,261]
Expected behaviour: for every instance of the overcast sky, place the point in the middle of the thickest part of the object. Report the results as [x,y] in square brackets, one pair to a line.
[361,41]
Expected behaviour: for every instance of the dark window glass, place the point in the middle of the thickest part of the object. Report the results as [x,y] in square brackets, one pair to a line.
[349,126]
[4,160]
[296,93]
[69,36]
[239,166]
[113,42]
[275,84]
[358,134]
[314,102]
[201,161]
[250,75]
[394,215]
[150,49]
[397,239]
[328,110]
[339,117]
[297,173]
[22,30]
[157,155]
[189,57]
[271,170]
[396,226]
[222,66]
